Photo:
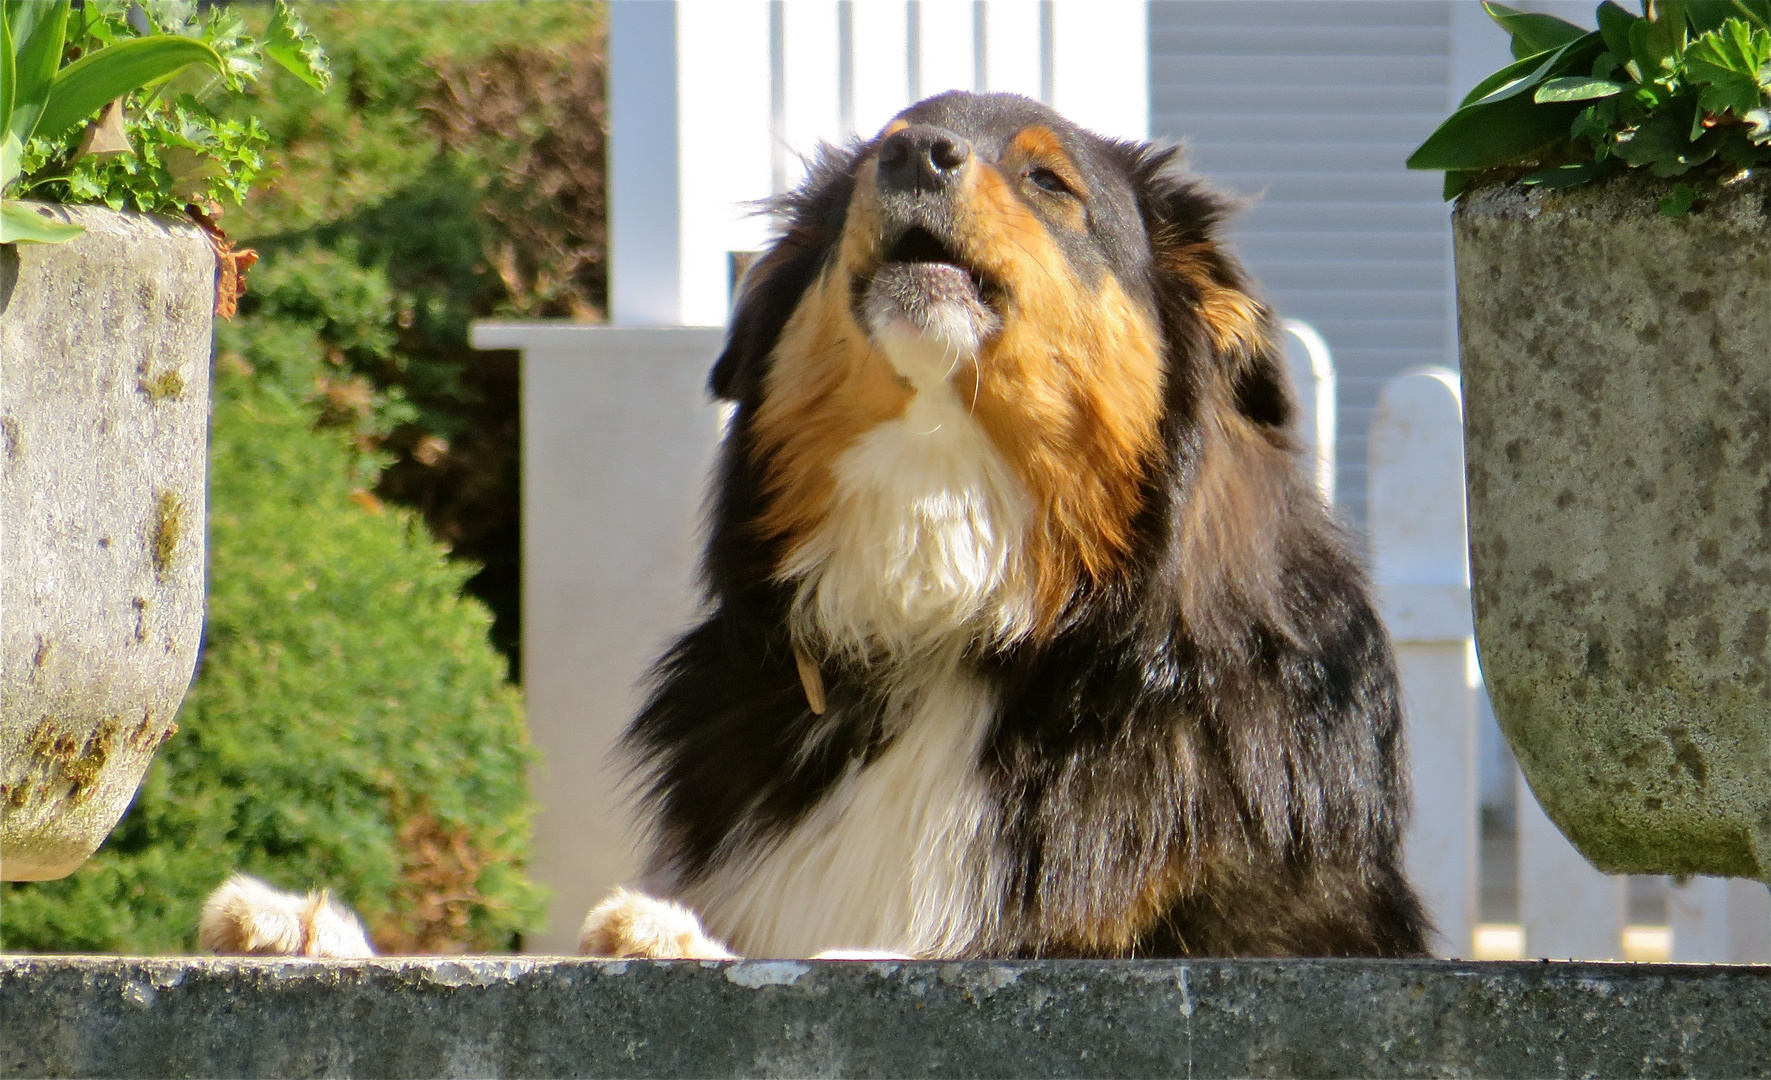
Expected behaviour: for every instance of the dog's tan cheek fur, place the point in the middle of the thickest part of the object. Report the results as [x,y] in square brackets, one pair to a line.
[1070,391]
[827,385]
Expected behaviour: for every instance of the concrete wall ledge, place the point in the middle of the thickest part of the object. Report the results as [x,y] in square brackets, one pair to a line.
[394,1017]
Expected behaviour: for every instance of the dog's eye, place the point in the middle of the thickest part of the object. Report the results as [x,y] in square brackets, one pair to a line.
[1049,181]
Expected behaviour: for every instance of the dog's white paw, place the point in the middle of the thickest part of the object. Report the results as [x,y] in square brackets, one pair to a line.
[632,924]
[247,917]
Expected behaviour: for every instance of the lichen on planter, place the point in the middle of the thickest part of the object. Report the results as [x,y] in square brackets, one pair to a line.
[104,391]
[1617,389]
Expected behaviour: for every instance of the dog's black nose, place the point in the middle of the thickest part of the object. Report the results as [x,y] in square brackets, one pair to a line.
[921,157]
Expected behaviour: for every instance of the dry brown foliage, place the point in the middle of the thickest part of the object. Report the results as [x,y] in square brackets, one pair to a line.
[538,115]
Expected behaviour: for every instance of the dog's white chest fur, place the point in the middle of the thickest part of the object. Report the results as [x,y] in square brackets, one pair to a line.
[917,561]
[921,549]
[895,858]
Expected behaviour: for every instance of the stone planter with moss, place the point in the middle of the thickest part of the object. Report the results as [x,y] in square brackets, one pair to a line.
[104,383]
[1617,394]
[1613,256]
[104,387]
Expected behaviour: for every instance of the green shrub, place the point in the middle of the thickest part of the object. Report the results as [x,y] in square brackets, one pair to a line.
[350,725]
[459,155]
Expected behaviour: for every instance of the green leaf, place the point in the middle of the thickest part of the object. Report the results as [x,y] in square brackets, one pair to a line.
[1663,142]
[1678,201]
[1504,132]
[1534,70]
[34,32]
[1735,60]
[11,153]
[288,42]
[26,222]
[1455,183]
[1655,45]
[1758,11]
[1614,25]
[1702,15]
[103,75]
[1532,33]
[1513,72]
[1577,88]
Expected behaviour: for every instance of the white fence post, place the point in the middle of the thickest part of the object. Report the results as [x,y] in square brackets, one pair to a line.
[1569,910]
[1420,560]
[1720,921]
[1312,378]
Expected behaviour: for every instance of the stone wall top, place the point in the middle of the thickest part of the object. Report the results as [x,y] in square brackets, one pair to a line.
[492,1016]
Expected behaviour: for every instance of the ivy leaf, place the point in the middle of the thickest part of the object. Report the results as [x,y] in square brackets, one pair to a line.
[288,42]
[1576,88]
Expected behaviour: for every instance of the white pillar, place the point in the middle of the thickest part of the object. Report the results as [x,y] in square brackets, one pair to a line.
[618,438]
[1100,65]
[1569,910]
[808,98]
[1420,562]
[1311,366]
[880,59]
[1014,59]
[689,153]
[946,56]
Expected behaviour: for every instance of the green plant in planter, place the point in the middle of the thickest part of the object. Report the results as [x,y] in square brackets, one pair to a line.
[159,139]
[1681,89]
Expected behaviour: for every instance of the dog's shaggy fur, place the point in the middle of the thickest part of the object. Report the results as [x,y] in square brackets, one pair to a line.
[1025,635]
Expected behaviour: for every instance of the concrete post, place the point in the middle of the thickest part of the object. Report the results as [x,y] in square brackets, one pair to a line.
[1421,567]
[618,441]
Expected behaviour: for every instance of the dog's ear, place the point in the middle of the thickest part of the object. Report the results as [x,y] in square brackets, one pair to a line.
[1205,296]
[811,217]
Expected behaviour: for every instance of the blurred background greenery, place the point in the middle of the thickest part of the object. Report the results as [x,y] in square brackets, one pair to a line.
[353,724]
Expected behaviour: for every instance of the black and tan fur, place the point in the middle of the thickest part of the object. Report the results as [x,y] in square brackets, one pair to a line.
[1195,743]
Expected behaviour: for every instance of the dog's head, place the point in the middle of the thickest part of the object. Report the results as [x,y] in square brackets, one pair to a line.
[1067,287]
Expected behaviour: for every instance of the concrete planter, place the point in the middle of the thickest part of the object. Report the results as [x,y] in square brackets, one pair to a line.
[104,387]
[1617,390]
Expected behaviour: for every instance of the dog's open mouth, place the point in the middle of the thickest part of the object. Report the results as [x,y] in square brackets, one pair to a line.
[925,288]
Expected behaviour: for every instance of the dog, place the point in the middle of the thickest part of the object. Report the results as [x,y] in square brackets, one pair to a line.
[1024,633]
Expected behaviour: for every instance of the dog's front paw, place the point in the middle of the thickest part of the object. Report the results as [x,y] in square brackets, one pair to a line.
[632,924]
[247,917]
